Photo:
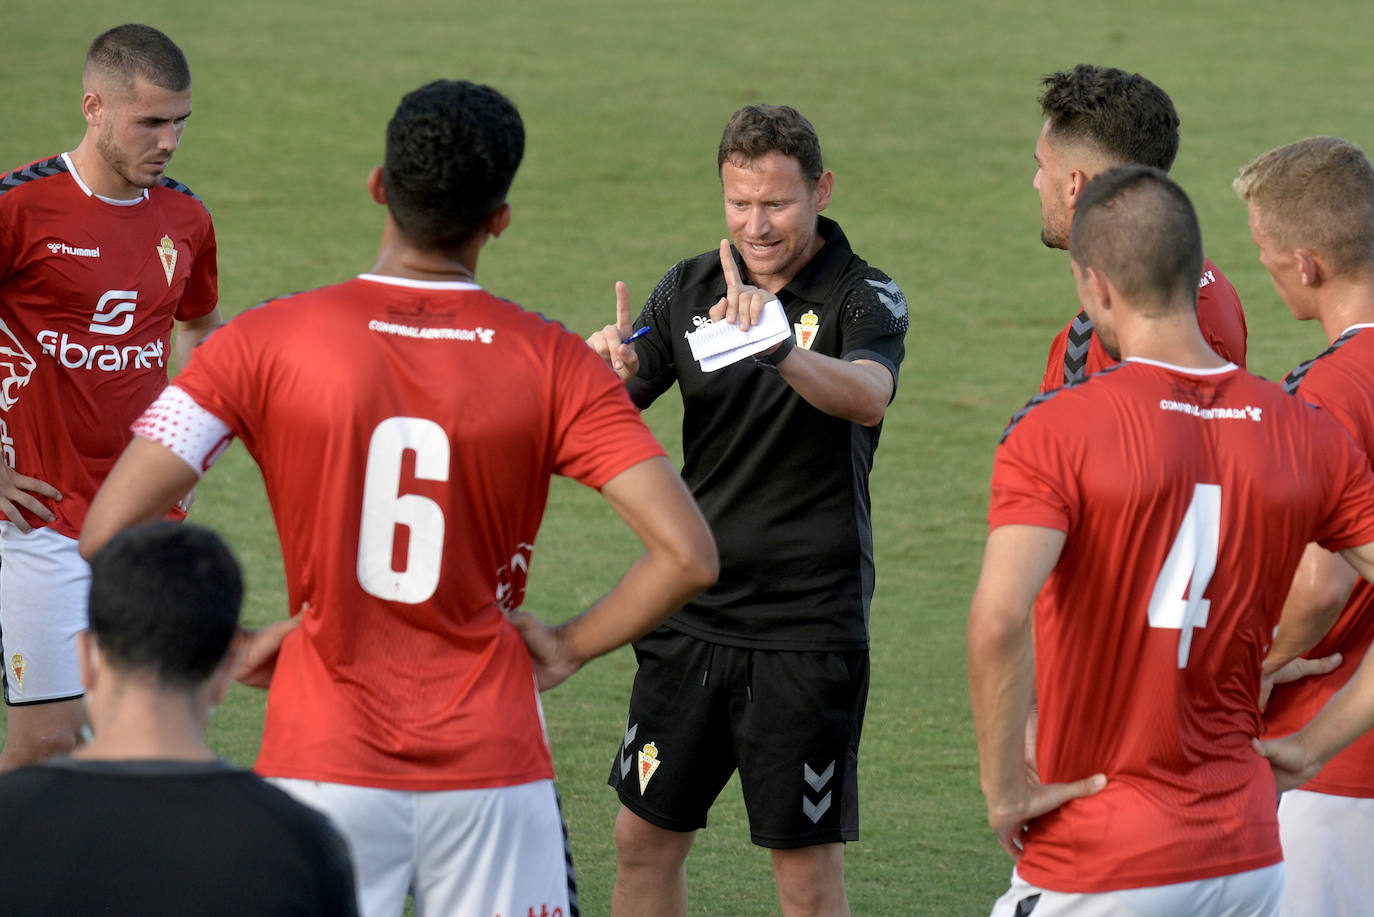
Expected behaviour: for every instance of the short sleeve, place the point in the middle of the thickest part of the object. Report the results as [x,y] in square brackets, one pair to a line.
[202,287]
[1349,520]
[657,371]
[221,374]
[1033,477]
[874,318]
[598,430]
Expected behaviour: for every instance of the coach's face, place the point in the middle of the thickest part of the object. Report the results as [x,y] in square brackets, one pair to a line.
[139,129]
[770,210]
[1051,180]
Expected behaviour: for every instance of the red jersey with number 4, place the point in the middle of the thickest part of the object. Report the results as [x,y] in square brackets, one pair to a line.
[1341,382]
[1187,498]
[88,292]
[406,433]
[1219,315]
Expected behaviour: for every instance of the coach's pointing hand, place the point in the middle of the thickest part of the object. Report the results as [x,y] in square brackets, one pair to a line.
[609,341]
[742,303]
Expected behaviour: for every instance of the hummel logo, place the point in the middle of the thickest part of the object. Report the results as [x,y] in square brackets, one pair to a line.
[817,782]
[62,248]
[627,761]
[116,306]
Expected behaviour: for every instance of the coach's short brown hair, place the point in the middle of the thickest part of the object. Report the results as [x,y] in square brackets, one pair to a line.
[757,130]
[1317,194]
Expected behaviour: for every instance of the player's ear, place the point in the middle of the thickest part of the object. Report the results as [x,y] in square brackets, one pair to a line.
[498,222]
[376,188]
[1311,270]
[92,108]
[1074,183]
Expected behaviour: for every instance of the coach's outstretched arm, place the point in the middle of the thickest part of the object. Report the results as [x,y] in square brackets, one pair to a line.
[1001,678]
[1349,714]
[680,561]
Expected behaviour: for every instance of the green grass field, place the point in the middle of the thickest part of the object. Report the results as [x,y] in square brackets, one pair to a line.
[926,113]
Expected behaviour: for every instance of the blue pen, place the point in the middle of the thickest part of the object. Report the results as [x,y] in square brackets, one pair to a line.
[639,333]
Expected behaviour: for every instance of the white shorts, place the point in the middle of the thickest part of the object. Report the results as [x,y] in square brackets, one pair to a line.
[1254,893]
[494,851]
[44,590]
[1326,844]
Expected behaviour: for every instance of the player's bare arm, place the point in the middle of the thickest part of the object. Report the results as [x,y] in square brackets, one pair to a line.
[857,390]
[1349,714]
[1320,589]
[143,485]
[679,561]
[17,491]
[191,333]
[609,342]
[1001,657]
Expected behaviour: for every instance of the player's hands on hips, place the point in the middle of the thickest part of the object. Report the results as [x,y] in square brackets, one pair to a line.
[258,650]
[742,303]
[553,664]
[17,491]
[1296,670]
[609,341]
[1009,817]
[1290,759]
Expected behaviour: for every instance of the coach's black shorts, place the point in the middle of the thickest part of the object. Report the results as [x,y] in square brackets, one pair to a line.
[790,721]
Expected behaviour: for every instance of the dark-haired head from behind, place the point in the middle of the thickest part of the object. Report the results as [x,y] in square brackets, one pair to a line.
[452,150]
[165,600]
[1127,118]
[1134,224]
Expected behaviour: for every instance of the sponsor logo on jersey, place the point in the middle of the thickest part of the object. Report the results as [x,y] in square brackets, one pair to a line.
[17,671]
[478,334]
[16,368]
[511,578]
[1207,277]
[1249,412]
[806,329]
[103,357]
[114,314]
[648,764]
[62,248]
[167,251]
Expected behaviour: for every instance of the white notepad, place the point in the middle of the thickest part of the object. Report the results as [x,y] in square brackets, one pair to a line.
[720,344]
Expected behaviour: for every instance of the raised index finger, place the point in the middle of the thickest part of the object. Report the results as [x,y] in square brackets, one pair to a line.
[622,305]
[733,280]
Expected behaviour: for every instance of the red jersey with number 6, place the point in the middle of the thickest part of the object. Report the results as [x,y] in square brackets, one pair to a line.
[1187,498]
[406,433]
[1341,382]
[88,291]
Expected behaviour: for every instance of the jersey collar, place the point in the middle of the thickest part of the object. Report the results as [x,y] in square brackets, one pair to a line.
[1186,370]
[420,284]
[71,167]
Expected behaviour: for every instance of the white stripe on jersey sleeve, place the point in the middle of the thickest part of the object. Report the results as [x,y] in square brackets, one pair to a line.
[176,421]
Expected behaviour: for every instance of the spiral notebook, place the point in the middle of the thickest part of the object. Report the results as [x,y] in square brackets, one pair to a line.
[719,344]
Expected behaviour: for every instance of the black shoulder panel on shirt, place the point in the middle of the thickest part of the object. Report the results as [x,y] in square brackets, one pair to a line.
[1294,379]
[175,185]
[55,165]
[1046,396]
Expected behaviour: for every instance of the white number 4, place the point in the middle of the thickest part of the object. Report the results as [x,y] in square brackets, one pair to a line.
[1189,567]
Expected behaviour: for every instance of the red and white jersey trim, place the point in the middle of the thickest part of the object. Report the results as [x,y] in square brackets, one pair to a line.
[176,421]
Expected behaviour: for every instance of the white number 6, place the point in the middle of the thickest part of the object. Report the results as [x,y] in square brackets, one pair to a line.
[384,509]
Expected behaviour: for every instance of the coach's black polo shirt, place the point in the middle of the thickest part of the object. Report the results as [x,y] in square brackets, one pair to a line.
[783,485]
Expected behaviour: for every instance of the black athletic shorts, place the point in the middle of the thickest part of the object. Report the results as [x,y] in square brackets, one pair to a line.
[789,721]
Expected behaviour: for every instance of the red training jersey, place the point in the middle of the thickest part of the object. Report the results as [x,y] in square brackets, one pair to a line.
[88,291]
[1076,353]
[1187,498]
[406,433]
[1341,382]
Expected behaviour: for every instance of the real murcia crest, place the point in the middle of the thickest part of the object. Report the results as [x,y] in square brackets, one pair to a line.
[648,763]
[167,251]
[17,670]
[806,329]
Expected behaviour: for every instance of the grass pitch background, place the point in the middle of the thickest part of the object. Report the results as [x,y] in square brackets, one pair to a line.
[926,113]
